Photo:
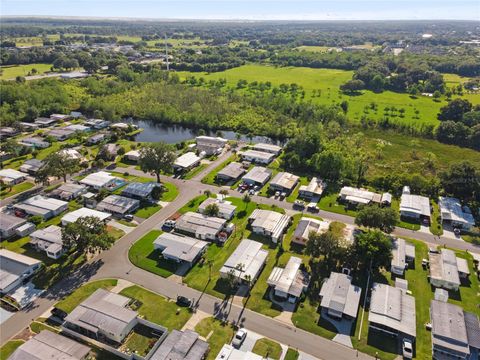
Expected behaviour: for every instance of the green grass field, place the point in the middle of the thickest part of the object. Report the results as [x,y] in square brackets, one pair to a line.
[312,48]
[11,72]
[328,82]
[267,348]
[15,189]
[220,334]
[9,347]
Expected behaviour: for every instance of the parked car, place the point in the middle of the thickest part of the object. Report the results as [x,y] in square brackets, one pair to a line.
[239,338]
[184,301]
[299,204]
[277,194]
[312,207]
[407,349]
[59,313]
[128,217]
[170,223]
[283,195]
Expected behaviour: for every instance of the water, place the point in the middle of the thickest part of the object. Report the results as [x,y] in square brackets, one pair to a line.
[171,134]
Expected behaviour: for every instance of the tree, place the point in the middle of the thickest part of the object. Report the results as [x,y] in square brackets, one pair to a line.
[373,247]
[59,165]
[87,235]
[246,200]
[157,192]
[223,192]
[376,217]
[454,110]
[352,86]
[156,158]
[212,209]
[326,244]
[462,180]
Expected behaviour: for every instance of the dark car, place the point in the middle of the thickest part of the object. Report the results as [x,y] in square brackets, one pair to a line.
[59,313]
[184,301]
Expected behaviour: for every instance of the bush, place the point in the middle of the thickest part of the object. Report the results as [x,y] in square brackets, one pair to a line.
[36,219]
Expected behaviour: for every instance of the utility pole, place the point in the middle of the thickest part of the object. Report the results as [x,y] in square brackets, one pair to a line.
[166,53]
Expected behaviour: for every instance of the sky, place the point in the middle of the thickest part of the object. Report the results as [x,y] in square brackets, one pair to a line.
[250,9]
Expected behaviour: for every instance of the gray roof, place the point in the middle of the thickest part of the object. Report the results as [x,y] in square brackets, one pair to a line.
[271,221]
[118,204]
[258,174]
[200,224]
[307,225]
[233,170]
[60,132]
[391,307]
[339,294]
[139,189]
[284,180]
[448,326]
[181,345]
[400,251]
[31,165]
[315,186]
[51,234]
[260,155]
[248,253]
[416,204]
[290,279]
[275,149]
[180,247]
[42,204]
[52,346]
[360,196]
[13,266]
[68,189]
[224,207]
[444,266]
[8,222]
[451,209]
[473,329]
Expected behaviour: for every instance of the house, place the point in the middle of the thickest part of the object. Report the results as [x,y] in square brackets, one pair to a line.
[268,148]
[231,172]
[140,191]
[339,297]
[258,157]
[7,131]
[246,262]
[446,269]
[392,311]
[132,155]
[313,190]
[74,75]
[103,316]
[76,114]
[44,122]
[121,125]
[59,117]
[307,225]
[61,134]
[72,154]
[77,127]
[210,145]
[97,123]
[69,191]
[414,206]
[110,151]
[455,332]
[179,248]
[9,225]
[200,226]
[48,240]
[84,212]
[11,176]
[453,213]
[118,205]
[186,162]
[97,138]
[102,180]
[31,166]
[225,208]
[28,126]
[15,269]
[284,182]
[357,196]
[290,282]
[45,207]
[228,352]
[257,176]
[181,345]
[49,345]
[269,223]
[34,142]
[403,253]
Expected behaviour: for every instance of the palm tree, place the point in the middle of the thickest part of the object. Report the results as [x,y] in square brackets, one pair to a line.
[224,193]
[246,200]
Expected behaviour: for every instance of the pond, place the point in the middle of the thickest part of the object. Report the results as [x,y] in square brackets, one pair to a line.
[171,134]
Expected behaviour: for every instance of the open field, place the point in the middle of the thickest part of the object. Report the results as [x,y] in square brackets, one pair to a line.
[218,333]
[328,82]
[11,72]
[267,348]
[15,189]
[312,48]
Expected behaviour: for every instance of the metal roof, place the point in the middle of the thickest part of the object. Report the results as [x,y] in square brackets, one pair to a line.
[183,248]
[290,279]
[444,266]
[181,345]
[315,186]
[285,180]
[51,234]
[11,174]
[186,160]
[416,204]
[233,170]
[142,190]
[118,204]
[260,155]
[339,294]
[250,255]
[99,179]
[200,224]
[8,221]
[83,212]
[13,266]
[258,174]
[224,207]
[451,209]
[400,251]
[448,326]
[264,147]
[361,196]
[271,221]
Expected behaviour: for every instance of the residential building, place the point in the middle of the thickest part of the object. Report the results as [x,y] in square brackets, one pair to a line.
[446,269]
[9,225]
[7,131]
[268,148]
[78,127]
[269,223]
[29,126]
[11,176]
[200,226]
[307,225]
[392,311]
[290,282]
[34,142]
[72,154]
[181,345]
[97,138]
[339,297]
[140,191]
[453,213]
[15,269]
[44,122]
[102,180]
[246,262]
[97,123]
[122,126]
[132,155]
[284,182]
[69,191]
[110,151]
[31,166]
[186,162]
[258,157]
[257,176]
[61,134]
[84,212]
[49,345]
[231,172]
[414,206]
[118,205]
[210,145]
[313,190]
[59,117]
[48,240]
[228,352]
[357,196]
[225,208]
[43,206]
[179,248]
[455,332]
[403,253]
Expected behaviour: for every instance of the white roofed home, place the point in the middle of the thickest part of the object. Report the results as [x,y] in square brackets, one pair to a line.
[447,270]
[210,145]
[132,155]
[314,189]
[339,297]
[414,206]
[228,352]
[102,180]
[186,162]
[358,196]
[403,253]
[225,208]
[246,262]
[257,176]
[69,191]
[200,226]
[453,213]
[289,282]
[84,212]
[11,176]
[42,206]
[258,157]
[179,248]
[15,269]
[307,225]
[231,172]
[9,224]
[269,223]
[48,240]
[284,182]
[268,148]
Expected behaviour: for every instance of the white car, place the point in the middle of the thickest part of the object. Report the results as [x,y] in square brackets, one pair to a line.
[407,349]
[239,338]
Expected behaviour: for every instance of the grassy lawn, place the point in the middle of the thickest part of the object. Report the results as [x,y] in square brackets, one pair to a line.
[404,223]
[170,193]
[436,227]
[170,315]
[140,340]
[116,233]
[294,194]
[15,189]
[267,348]
[292,354]
[220,334]
[211,177]
[9,347]
[146,211]
[328,202]
[196,170]
[143,255]
[12,71]
[37,326]
[126,223]
[83,292]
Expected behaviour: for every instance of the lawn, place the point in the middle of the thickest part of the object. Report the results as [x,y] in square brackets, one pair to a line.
[143,255]
[15,189]
[436,227]
[292,354]
[195,171]
[37,326]
[83,292]
[12,71]
[328,202]
[315,49]
[170,193]
[267,348]
[146,211]
[9,347]
[294,194]
[221,333]
[157,309]
[116,233]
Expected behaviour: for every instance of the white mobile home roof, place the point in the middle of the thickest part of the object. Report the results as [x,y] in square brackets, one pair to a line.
[13,266]
[339,294]
[400,251]
[307,225]
[360,196]
[51,234]
[233,170]
[274,149]
[272,221]
[228,352]
[133,154]
[451,209]
[444,266]
[200,224]
[83,212]
[225,207]
[118,204]
[98,179]
[40,205]
[284,180]
[8,222]
[183,248]
[416,204]
[258,175]
[315,187]
[68,190]
[187,160]
[250,255]
[11,174]
[258,155]
[290,279]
